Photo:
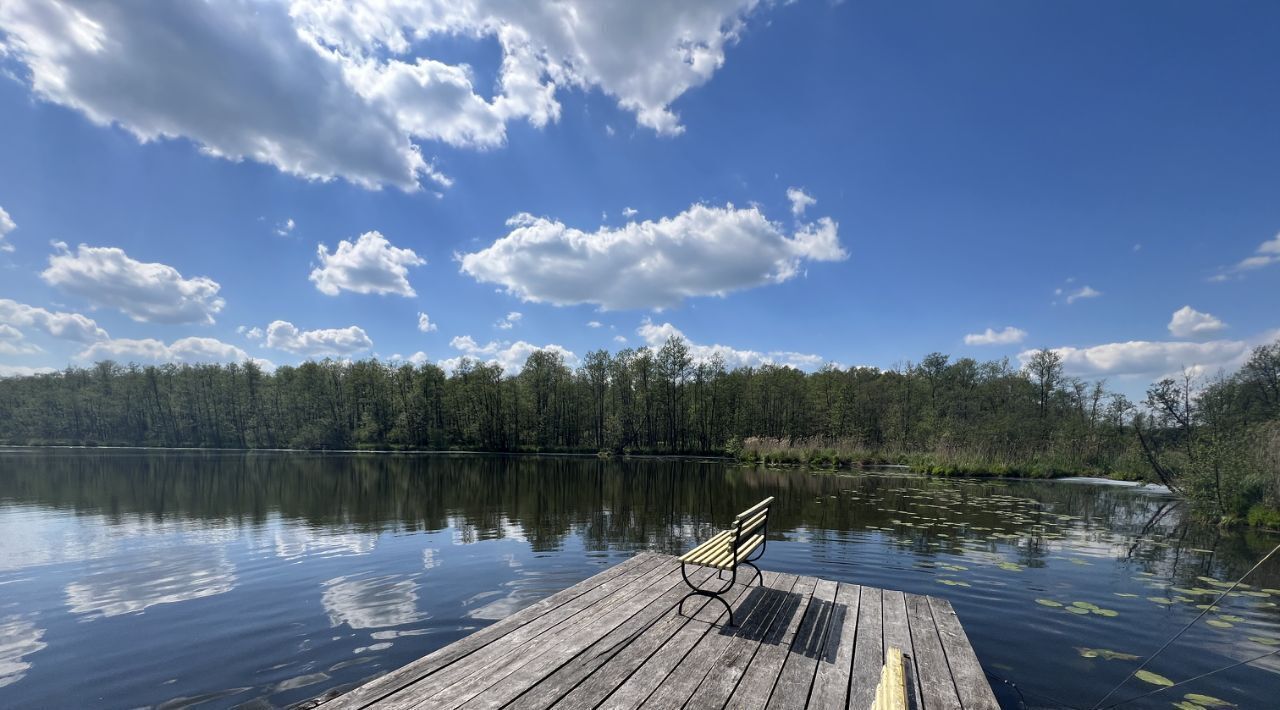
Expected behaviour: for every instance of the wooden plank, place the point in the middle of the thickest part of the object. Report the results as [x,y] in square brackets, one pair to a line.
[432,685]
[639,632]
[723,677]
[578,651]
[384,685]
[831,682]
[796,679]
[544,653]
[619,669]
[897,634]
[655,669]
[754,610]
[966,672]
[868,649]
[757,682]
[937,689]
[615,641]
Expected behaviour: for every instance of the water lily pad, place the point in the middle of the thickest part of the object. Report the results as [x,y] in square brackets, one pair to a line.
[1152,678]
[1125,595]
[1085,605]
[1010,566]
[1078,610]
[1106,654]
[1186,705]
[1048,602]
[1105,612]
[1160,600]
[1232,618]
[1208,701]
[1219,623]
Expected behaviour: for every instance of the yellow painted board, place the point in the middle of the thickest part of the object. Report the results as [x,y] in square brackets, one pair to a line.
[891,693]
[755,508]
[750,525]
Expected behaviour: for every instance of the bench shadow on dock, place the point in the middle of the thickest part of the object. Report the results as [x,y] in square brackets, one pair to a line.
[616,640]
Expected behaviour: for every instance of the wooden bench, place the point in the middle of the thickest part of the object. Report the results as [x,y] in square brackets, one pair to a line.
[725,551]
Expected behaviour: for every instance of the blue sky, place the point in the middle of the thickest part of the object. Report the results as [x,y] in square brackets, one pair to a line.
[1067,175]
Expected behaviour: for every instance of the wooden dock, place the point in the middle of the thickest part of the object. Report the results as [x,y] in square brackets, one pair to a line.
[616,641]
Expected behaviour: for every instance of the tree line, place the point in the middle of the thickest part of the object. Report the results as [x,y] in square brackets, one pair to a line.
[940,414]
[1217,443]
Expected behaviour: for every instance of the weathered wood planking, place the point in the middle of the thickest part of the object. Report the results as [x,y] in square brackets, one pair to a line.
[616,640]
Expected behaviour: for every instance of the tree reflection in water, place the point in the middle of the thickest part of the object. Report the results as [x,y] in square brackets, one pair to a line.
[367,561]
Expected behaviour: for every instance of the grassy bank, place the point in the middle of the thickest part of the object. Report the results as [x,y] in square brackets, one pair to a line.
[952,462]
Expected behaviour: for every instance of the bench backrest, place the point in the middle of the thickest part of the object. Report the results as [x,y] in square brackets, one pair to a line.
[752,521]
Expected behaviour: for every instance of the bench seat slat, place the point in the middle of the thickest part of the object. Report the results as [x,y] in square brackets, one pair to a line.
[755,508]
[747,547]
[706,549]
[719,551]
[755,522]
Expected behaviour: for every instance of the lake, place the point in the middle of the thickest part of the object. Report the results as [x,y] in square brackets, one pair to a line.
[142,578]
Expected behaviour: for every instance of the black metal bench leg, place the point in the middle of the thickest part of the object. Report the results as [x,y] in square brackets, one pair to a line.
[710,595]
[755,575]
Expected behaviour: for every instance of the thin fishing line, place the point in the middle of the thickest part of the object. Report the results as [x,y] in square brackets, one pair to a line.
[1206,610]
[1184,682]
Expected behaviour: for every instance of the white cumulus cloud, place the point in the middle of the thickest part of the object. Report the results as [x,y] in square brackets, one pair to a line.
[424,323]
[324,89]
[644,55]
[6,225]
[13,342]
[1082,292]
[23,370]
[184,350]
[509,321]
[68,326]
[1007,336]
[703,251]
[285,227]
[370,265]
[1187,322]
[656,335]
[1150,359]
[254,333]
[1266,254]
[800,201]
[146,292]
[417,358]
[235,77]
[283,335]
[510,356]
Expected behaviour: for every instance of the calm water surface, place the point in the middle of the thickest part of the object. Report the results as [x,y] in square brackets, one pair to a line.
[168,579]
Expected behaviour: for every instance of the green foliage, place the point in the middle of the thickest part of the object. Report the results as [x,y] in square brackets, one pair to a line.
[949,418]
[1219,444]
[1261,516]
